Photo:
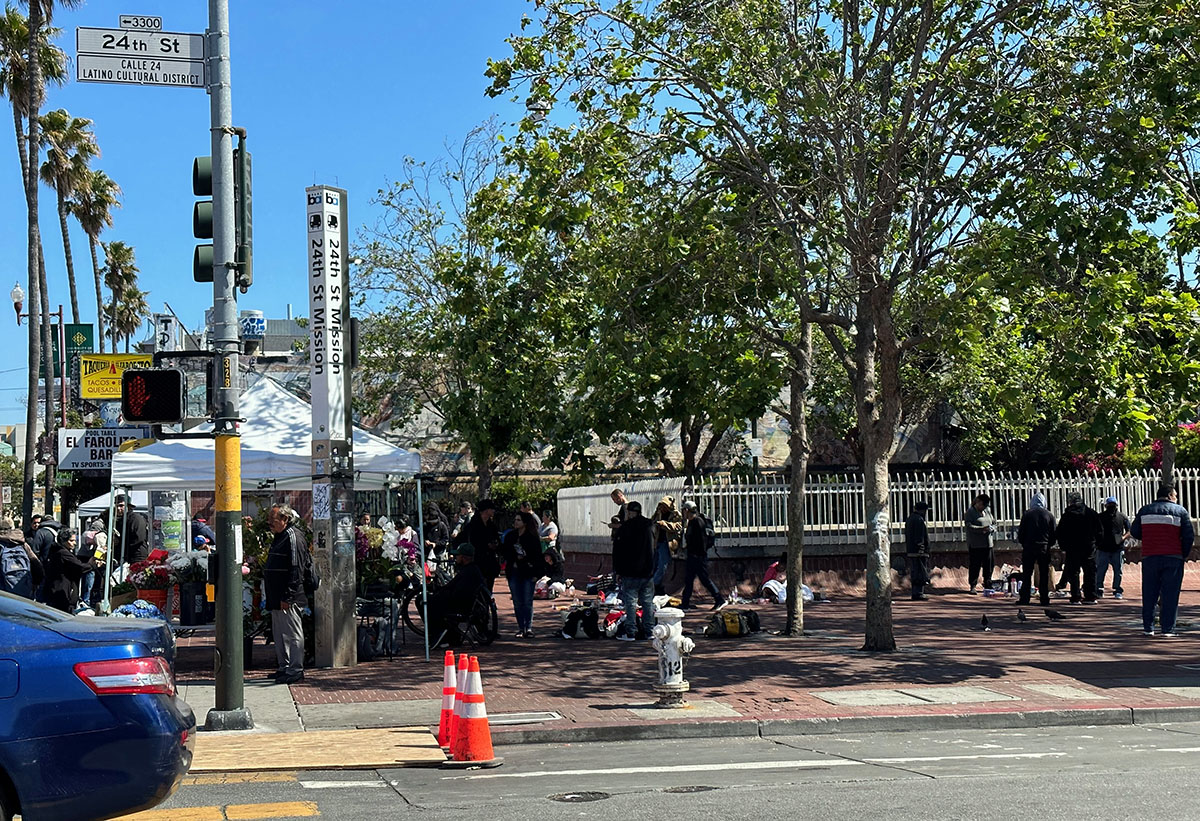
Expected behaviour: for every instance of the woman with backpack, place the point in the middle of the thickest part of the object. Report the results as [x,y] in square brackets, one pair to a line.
[522,550]
[20,571]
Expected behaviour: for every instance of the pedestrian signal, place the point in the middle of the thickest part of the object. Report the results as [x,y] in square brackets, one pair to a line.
[153,395]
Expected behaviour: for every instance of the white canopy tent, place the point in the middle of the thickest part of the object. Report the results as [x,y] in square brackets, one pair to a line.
[276,451]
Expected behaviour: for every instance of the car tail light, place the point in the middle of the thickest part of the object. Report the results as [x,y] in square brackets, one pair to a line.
[140,676]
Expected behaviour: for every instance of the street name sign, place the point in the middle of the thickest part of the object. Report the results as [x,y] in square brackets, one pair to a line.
[137,56]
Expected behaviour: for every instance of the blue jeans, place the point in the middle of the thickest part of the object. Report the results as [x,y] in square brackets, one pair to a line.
[633,593]
[85,587]
[662,560]
[1162,576]
[521,588]
[1104,559]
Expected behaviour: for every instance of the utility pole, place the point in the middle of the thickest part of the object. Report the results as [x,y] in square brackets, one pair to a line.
[230,712]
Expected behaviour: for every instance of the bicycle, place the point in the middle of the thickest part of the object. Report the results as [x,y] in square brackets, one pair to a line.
[479,627]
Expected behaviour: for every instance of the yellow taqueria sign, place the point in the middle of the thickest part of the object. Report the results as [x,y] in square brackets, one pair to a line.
[100,373]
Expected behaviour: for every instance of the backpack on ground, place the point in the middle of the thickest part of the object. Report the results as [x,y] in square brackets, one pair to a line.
[730,622]
[16,576]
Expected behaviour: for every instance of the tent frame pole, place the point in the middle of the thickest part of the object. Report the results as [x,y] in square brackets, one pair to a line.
[424,587]
[106,605]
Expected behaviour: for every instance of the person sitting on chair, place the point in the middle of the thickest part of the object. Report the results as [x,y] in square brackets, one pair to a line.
[457,598]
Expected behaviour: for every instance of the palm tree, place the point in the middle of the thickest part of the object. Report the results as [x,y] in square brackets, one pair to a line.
[93,207]
[127,308]
[28,61]
[70,146]
[127,315]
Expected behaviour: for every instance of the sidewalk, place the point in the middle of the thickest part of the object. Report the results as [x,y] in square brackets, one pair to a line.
[1094,668]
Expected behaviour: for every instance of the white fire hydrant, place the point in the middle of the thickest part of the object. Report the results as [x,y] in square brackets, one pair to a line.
[673,647]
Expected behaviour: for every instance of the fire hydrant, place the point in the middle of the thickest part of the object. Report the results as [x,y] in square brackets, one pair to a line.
[673,647]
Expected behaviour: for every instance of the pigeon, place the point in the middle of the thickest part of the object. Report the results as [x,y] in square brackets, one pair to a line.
[983,623]
[1054,615]
[1021,616]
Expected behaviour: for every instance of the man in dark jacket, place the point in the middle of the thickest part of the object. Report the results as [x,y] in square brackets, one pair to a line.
[696,544]
[916,545]
[633,561]
[1036,535]
[131,533]
[981,541]
[42,544]
[1114,530]
[1165,528]
[1078,533]
[481,534]
[457,598]
[283,577]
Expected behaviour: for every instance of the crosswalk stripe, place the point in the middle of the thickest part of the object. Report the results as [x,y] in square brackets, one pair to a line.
[284,809]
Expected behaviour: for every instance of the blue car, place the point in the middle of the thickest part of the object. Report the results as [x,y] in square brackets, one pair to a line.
[90,726]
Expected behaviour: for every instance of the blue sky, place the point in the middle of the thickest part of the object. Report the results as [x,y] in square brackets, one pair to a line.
[334,93]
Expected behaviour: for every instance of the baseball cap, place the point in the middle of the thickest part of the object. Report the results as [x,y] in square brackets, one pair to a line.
[465,549]
[1111,500]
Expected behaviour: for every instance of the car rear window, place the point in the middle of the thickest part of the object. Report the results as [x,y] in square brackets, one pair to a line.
[23,611]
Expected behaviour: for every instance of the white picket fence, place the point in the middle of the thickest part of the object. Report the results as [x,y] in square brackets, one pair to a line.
[752,512]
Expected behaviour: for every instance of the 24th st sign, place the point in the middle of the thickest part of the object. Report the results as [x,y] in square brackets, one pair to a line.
[140,57]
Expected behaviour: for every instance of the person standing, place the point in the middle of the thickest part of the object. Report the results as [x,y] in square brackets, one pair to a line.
[43,543]
[1078,533]
[669,529]
[1036,535]
[437,531]
[283,578]
[21,572]
[481,533]
[1165,528]
[697,540]
[916,545]
[64,570]
[522,550]
[981,541]
[1114,532]
[614,524]
[548,531]
[465,511]
[633,561]
[131,533]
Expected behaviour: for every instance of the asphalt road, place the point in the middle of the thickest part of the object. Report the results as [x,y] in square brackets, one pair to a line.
[1127,772]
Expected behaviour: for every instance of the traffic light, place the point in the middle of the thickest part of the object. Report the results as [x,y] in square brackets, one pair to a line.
[153,395]
[202,218]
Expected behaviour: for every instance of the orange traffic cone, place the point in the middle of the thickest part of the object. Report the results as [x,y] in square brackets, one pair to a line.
[449,688]
[472,747]
[459,689]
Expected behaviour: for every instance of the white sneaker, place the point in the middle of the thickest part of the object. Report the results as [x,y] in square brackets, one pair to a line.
[625,637]
[1171,635]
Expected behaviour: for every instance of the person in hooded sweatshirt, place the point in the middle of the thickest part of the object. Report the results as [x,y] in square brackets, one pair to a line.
[1078,533]
[1036,536]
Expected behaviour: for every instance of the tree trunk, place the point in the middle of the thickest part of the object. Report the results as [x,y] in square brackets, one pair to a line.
[485,474]
[1168,460]
[99,293]
[879,635]
[66,235]
[29,471]
[48,365]
[798,444]
[34,240]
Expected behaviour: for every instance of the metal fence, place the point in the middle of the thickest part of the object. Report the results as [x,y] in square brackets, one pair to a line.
[752,512]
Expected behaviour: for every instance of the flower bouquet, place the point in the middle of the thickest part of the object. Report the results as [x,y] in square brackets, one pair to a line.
[152,578]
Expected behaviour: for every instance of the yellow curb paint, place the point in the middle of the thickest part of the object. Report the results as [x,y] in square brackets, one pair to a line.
[178,814]
[236,778]
[284,809]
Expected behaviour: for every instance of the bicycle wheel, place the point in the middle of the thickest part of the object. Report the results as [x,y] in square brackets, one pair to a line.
[413,611]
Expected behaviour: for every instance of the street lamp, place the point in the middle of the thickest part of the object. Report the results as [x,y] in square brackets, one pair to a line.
[18,298]
[17,295]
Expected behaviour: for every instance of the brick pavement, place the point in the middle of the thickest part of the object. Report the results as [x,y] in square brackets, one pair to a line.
[1097,658]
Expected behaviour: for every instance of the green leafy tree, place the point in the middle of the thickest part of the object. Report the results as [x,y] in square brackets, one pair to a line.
[127,309]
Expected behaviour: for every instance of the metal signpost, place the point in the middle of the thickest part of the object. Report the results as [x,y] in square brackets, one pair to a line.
[141,53]
[332,431]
